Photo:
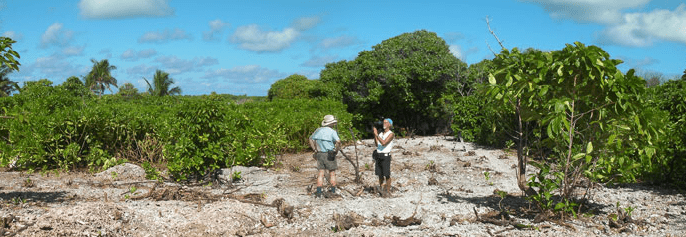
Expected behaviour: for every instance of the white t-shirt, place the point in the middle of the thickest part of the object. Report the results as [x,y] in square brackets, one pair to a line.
[388,147]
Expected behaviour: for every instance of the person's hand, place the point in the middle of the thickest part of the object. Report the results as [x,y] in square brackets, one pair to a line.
[376,133]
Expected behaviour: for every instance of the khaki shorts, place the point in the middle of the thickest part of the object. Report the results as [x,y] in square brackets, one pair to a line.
[323,163]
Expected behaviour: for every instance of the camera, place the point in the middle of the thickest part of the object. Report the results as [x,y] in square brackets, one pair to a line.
[378,125]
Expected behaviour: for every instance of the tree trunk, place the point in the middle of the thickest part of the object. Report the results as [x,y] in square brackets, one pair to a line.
[522,160]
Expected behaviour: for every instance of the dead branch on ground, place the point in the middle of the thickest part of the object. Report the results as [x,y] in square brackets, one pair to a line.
[396,221]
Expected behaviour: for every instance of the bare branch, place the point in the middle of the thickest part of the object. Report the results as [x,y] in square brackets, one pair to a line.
[489,48]
[488,24]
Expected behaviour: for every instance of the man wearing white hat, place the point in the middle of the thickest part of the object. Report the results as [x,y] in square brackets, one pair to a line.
[326,143]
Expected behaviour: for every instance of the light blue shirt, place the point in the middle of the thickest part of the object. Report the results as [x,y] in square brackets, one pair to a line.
[325,138]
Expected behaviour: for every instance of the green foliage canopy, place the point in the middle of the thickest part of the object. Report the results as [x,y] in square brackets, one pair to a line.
[128,90]
[54,127]
[404,77]
[670,97]
[294,87]
[582,107]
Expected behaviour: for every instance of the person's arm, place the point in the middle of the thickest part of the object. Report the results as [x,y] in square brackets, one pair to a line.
[388,139]
[337,145]
[376,136]
[313,145]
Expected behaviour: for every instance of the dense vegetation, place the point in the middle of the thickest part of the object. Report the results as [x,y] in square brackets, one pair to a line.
[570,112]
[409,78]
[66,126]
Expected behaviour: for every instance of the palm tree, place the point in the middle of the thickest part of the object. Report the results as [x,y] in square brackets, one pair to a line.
[100,78]
[161,84]
[6,86]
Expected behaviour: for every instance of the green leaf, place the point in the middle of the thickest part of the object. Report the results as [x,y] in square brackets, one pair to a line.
[650,151]
[543,91]
[589,147]
[491,79]
[612,138]
[559,206]
[599,62]
[578,156]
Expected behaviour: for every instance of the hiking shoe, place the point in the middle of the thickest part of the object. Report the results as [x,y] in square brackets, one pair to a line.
[382,192]
[318,195]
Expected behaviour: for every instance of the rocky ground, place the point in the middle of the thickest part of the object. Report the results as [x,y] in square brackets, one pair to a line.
[441,188]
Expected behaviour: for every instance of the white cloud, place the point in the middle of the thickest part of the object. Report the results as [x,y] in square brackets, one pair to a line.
[175,65]
[141,70]
[13,35]
[73,50]
[55,35]
[55,67]
[117,9]
[638,63]
[164,36]
[318,61]
[245,74]
[641,29]
[216,27]
[146,53]
[306,23]
[106,52]
[338,42]
[207,61]
[598,11]
[457,51]
[252,38]
[451,37]
[132,55]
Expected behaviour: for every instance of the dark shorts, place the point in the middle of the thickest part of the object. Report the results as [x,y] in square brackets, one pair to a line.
[323,163]
[383,165]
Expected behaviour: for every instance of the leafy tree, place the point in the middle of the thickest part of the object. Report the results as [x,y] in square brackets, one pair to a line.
[8,57]
[6,85]
[670,97]
[297,87]
[74,85]
[587,116]
[161,84]
[291,87]
[100,76]
[473,117]
[405,77]
[73,80]
[128,90]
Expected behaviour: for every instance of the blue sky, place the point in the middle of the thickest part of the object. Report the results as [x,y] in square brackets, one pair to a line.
[242,47]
